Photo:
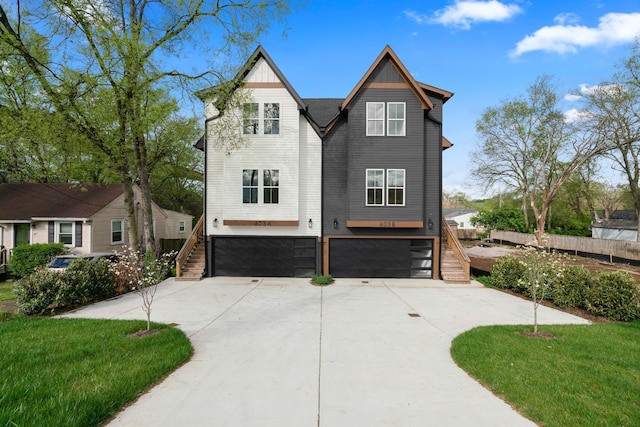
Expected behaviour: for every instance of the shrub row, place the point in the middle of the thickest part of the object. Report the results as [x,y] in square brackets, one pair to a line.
[83,282]
[25,259]
[614,295]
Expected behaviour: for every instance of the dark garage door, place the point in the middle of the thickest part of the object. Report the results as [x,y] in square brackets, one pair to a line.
[264,256]
[380,258]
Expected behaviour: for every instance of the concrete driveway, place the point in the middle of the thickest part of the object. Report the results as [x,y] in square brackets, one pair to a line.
[281,352]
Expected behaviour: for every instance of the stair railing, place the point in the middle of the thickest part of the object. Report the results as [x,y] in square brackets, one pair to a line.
[189,246]
[454,244]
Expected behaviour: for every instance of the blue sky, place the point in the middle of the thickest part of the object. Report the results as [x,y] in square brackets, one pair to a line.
[484,51]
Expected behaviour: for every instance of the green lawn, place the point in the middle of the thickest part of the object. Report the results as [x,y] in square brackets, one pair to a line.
[586,376]
[79,372]
[6,291]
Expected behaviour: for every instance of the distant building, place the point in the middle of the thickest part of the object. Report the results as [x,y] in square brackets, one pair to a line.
[622,225]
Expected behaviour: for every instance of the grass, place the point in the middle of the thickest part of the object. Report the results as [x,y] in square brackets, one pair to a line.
[80,372]
[587,375]
[6,291]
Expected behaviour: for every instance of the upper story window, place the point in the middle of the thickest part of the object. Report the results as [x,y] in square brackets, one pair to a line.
[375,118]
[396,118]
[261,119]
[391,113]
[250,117]
[390,191]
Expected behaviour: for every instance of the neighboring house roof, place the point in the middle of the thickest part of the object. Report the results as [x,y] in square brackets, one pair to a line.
[619,220]
[454,212]
[27,200]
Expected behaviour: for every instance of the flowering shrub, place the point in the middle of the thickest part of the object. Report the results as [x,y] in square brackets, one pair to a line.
[86,281]
[507,272]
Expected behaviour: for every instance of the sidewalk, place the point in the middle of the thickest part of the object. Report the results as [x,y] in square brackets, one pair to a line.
[281,352]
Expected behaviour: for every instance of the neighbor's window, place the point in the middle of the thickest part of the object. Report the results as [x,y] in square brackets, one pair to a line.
[250,118]
[65,233]
[395,187]
[375,187]
[117,235]
[270,185]
[271,118]
[181,226]
[250,186]
[375,118]
[396,118]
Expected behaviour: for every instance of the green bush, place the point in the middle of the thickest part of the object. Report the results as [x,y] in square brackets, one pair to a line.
[25,259]
[85,281]
[614,295]
[507,273]
[322,280]
[37,293]
[571,289]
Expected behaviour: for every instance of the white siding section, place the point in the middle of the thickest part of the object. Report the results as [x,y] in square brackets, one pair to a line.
[295,152]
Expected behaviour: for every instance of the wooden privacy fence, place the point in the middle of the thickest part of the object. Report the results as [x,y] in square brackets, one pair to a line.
[612,248]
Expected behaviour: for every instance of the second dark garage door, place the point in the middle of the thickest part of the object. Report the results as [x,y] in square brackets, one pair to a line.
[381,258]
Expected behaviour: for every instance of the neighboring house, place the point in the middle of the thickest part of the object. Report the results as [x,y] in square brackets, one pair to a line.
[85,217]
[359,179]
[622,225]
[462,219]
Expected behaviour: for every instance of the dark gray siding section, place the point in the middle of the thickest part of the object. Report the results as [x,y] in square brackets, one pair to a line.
[386,152]
[386,73]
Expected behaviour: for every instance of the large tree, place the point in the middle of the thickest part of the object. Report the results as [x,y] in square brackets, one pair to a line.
[79,50]
[527,144]
[613,109]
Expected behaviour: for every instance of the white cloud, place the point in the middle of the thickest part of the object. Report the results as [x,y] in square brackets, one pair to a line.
[611,89]
[575,115]
[572,98]
[463,13]
[613,28]
[566,18]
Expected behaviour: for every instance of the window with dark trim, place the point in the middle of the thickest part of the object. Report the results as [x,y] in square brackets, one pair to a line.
[250,186]
[271,185]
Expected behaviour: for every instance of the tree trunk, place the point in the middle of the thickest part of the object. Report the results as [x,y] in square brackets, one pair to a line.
[132,223]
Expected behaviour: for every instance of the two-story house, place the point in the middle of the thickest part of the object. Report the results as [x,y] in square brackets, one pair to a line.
[357,180]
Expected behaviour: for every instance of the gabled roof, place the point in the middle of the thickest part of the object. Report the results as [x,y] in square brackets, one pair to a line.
[446,143]
[24,201]
[445,95]
[388,53]
[323,111]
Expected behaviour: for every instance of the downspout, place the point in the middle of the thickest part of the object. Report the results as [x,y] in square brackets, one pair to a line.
[439,123]
[207,255]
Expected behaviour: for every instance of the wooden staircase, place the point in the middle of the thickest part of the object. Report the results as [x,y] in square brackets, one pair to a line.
[455,265]
[191,260]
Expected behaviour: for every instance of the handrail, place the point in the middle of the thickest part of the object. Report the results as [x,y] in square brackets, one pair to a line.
[454,244]
[188,246]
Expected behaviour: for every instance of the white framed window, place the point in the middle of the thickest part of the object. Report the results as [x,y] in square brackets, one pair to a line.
[250,118]
[117,231]
[250,186]
[375,187]
[375,118]
[64,232]
[182,226]
[396,118]
[270,186]
[261,119]
[395,187]
[385,187]
[271,113]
